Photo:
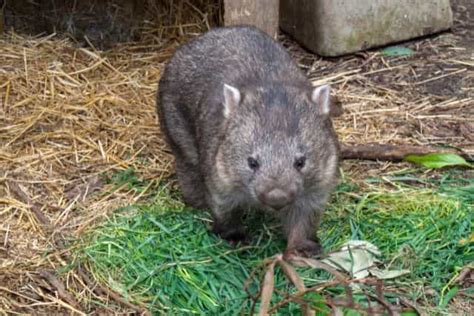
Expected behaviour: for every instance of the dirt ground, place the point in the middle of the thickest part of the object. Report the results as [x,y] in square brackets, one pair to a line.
[69,115]
[422,99]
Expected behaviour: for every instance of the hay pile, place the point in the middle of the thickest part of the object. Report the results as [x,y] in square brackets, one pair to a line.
[69,115]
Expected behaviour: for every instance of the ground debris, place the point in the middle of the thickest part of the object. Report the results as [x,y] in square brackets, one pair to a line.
[307,306]
[69,115]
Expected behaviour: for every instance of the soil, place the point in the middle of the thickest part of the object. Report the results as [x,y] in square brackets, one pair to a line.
[431,92]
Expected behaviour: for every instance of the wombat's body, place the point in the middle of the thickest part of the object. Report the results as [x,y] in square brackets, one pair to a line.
[248,130]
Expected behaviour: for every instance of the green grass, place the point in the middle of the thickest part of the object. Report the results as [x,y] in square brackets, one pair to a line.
[161,254]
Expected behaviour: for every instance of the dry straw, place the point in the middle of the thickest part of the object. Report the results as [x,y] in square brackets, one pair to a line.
[70,114]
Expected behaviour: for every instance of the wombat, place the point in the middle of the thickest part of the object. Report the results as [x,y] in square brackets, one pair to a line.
[248,131]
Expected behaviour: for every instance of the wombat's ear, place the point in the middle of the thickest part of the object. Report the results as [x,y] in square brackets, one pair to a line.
[321,97]
[231,99]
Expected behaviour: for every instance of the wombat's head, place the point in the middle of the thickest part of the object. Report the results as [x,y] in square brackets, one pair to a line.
[279,146]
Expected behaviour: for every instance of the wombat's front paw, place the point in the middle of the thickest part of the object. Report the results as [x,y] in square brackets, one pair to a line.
[306,248]
[233,235]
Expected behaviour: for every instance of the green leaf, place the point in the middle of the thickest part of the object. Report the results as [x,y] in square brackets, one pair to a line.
[438,160]
[318,302]
[397,51]
[351,312]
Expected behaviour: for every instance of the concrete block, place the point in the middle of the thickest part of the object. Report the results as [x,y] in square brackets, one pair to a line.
[337,27]
[260,13]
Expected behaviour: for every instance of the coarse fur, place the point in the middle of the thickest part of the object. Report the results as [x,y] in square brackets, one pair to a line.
[248,130]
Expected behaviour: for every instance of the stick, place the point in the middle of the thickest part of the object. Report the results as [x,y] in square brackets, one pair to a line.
[393,152]
[62,292]
[35,207]
[267,289]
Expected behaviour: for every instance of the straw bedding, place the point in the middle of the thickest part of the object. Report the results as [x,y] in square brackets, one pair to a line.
[69,115]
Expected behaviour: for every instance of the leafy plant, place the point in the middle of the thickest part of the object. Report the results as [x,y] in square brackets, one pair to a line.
[397,51]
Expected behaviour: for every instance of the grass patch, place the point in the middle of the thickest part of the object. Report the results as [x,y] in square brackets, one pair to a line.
[162,254]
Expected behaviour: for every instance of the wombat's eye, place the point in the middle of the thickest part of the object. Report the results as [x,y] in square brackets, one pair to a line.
[299,163]
[253,163]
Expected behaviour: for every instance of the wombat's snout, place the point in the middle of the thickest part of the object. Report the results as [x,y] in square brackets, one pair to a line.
[277,198]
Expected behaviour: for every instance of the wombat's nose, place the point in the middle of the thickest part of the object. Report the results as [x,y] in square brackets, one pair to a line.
[278,198]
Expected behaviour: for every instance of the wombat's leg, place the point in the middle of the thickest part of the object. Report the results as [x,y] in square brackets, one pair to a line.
[191,184]
[228,223]
[181,140]
[300,228]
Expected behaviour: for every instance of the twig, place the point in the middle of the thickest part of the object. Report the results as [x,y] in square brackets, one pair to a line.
[62,292]
[247,290]
[413,305]
[267,289]
[35,207]
[385,304]
[291,273]
[300,294]
[302,262]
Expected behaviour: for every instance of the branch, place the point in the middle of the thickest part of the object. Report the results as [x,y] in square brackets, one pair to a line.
[393,152]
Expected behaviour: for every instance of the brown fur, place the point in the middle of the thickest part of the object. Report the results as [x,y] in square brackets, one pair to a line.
[248,130]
